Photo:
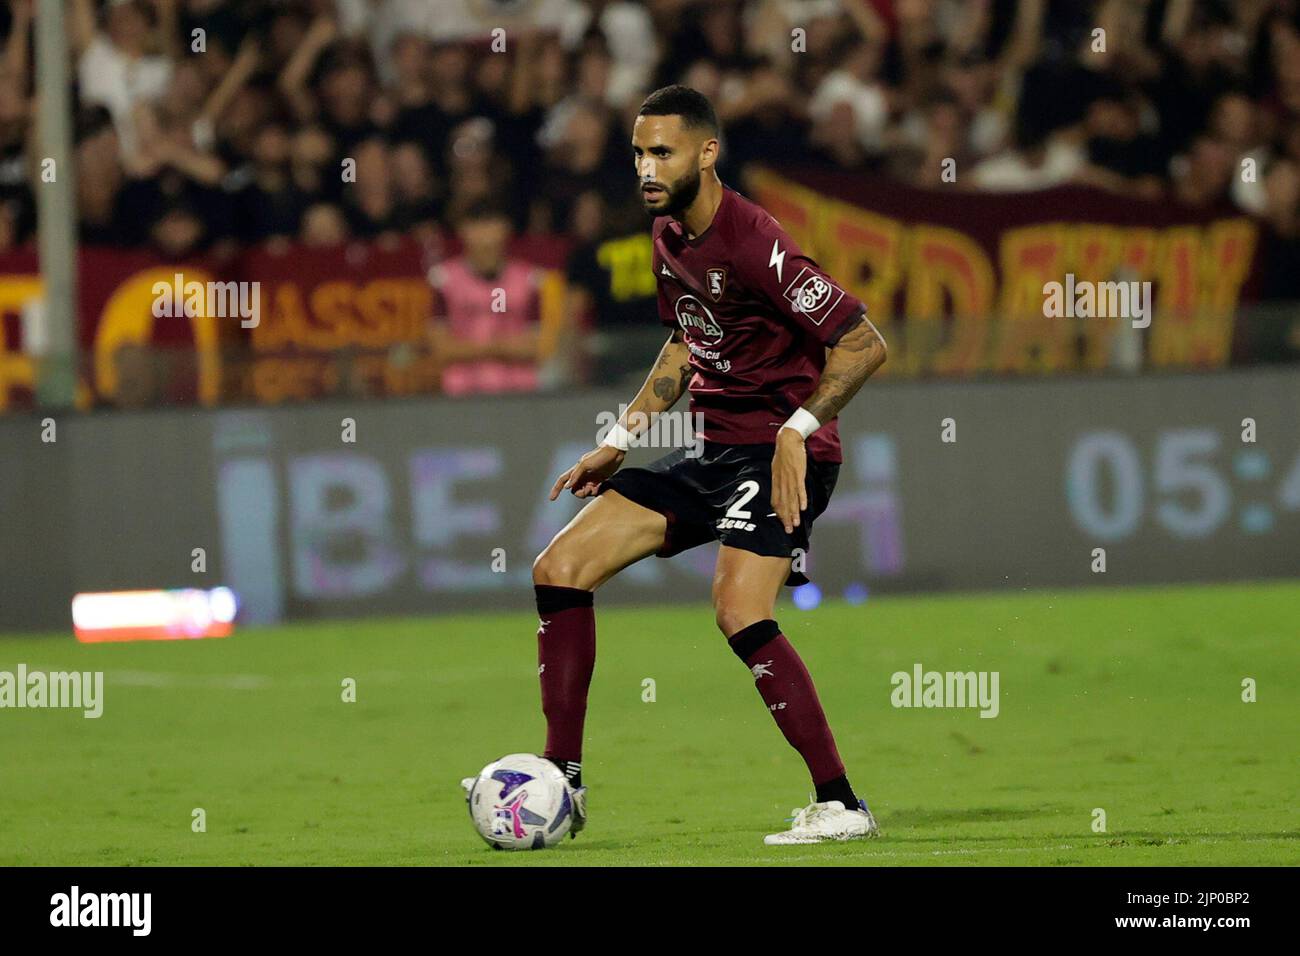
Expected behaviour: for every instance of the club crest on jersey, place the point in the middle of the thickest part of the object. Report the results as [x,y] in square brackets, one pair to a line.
[813,295]
[717,282]
[694,316]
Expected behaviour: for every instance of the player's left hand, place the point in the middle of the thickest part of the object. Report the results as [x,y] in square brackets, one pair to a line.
[789,466]
[584,478]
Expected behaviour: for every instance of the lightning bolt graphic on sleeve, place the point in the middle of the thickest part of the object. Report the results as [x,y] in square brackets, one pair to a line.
[778,258]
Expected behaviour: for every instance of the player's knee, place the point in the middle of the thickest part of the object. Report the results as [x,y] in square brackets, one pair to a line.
[557,566]
[732,618]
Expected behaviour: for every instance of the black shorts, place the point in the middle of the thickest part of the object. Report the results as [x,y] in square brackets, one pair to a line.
[725,495]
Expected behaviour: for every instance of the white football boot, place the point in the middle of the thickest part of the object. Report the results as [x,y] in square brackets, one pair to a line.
[579,797]
[824,822]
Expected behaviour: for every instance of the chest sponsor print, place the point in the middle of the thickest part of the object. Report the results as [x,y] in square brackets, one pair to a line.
[697,321]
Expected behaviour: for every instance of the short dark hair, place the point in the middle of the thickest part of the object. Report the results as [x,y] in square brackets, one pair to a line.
[691,105]
[481,209]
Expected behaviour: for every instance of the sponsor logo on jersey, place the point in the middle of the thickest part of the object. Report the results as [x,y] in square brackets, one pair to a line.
[717,282]
[813,295]
[704,355]
[665,271]
[694,316]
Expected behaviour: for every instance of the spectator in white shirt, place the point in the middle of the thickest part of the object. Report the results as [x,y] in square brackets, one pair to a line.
[119,66]
[856,83]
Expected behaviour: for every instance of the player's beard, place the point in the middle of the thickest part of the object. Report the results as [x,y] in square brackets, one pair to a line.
[679,196]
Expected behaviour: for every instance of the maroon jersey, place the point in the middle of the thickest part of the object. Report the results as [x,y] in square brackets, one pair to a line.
[757,315]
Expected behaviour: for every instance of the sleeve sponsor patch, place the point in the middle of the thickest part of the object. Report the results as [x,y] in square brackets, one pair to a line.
[812,295]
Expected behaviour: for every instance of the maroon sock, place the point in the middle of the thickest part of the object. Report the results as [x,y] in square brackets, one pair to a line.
[566,657]
[787,689]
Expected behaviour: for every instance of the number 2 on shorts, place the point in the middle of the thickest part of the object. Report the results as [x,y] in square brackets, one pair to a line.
[747,489]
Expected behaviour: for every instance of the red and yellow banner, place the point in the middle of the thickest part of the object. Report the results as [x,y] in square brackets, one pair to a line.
[353,320]
[955,280]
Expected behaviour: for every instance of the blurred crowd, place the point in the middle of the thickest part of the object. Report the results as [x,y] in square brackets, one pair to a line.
[206,122]
[207,126]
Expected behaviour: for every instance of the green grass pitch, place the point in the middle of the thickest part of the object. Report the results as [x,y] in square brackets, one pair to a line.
[1128,700]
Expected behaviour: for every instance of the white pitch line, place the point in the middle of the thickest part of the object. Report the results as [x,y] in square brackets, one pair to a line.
[1172,842]
[134,678]
[163,679]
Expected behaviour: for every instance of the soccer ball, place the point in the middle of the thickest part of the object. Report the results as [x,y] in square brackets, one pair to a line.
[521,802]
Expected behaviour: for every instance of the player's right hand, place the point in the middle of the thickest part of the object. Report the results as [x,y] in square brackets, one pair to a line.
[584,478]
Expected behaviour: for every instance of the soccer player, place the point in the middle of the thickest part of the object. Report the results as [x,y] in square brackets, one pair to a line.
[770,349]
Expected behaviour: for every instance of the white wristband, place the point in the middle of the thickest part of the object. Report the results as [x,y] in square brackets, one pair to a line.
[618,437]
[802,421]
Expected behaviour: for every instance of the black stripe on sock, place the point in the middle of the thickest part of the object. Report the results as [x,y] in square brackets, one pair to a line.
[572,770]
[552,598]
[748,640]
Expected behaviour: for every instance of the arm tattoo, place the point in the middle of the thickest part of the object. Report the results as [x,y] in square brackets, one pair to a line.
[858,353]
[668,389]
[662,360]
[662,383]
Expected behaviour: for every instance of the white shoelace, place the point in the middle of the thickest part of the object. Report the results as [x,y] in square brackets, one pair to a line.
[803,817]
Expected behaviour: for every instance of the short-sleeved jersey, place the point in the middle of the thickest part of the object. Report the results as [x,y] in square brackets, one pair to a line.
[757,315]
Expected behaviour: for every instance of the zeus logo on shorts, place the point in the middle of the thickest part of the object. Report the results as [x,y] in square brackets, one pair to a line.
[813,295]
[735,524]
